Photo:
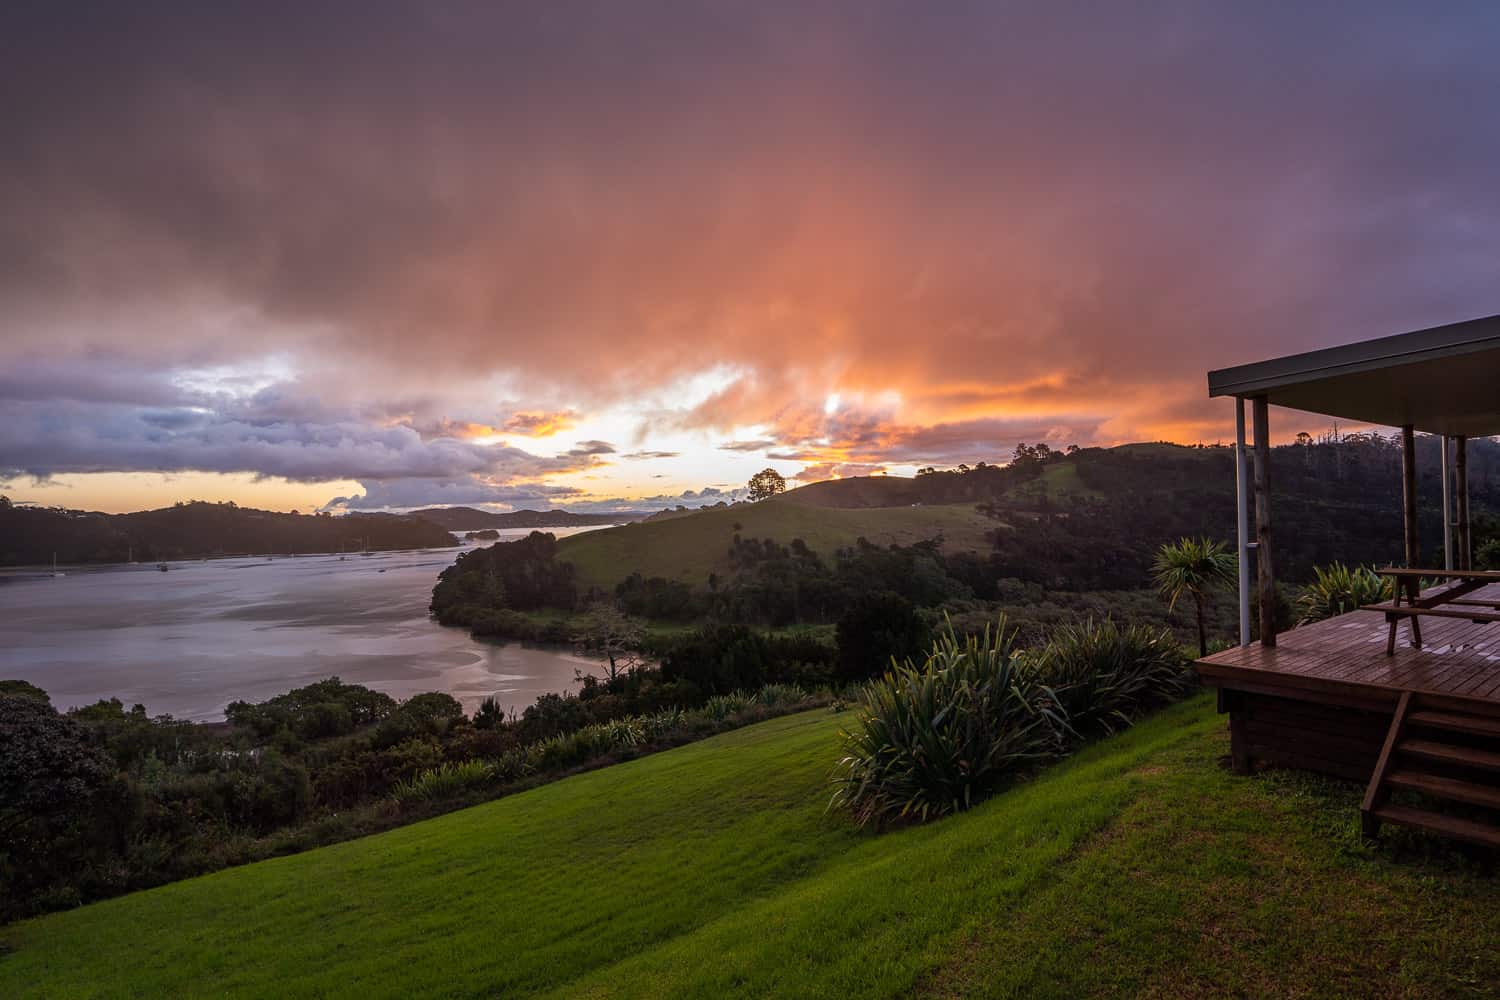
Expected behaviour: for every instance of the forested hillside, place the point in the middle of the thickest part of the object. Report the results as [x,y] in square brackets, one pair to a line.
[1049,534]
[1083,519]
[31,535]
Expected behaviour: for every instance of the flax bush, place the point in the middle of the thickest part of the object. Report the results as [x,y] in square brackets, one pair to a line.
[1103,676]
[1338,589]
[932,739]
[721,706]
[779,694]
[445,780]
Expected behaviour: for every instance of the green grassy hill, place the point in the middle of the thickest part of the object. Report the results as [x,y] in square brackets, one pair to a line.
[1056,482]
[1138,866]
[691,546]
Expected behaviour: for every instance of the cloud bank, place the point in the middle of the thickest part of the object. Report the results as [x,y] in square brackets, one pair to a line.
[909,234]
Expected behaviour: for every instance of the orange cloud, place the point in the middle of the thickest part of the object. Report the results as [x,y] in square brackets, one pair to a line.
[539,425]
[881,210]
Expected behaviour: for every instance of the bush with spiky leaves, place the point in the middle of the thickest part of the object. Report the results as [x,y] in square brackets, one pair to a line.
[930,740]
[1105,676]
[1338,589]
[445,780]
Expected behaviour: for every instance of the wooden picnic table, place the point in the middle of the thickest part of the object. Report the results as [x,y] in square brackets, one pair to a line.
[1408,583]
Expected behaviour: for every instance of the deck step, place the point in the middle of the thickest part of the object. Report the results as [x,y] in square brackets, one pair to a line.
[1452,789]
[1449,754]
[1457,722]
[1440,824]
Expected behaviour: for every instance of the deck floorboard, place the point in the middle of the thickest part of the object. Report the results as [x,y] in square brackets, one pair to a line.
[1458,658]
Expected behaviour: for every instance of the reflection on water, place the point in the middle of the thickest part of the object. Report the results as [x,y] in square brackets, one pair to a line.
[189,641]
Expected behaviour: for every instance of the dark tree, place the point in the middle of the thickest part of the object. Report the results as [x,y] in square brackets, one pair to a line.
[878,627]
[51,784]
[766,483]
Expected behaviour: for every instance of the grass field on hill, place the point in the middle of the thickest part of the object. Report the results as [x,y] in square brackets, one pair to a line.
[1137,866]
[1056,482]
[690,547]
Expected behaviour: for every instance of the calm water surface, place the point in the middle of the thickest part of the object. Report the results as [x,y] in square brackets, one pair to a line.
[189,641]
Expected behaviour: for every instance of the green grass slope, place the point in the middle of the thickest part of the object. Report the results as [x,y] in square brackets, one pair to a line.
[690,547]
[1138,866]
[1055,483]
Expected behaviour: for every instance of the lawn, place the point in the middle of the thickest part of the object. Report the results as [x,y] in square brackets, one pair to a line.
[690,547]
[1138,866]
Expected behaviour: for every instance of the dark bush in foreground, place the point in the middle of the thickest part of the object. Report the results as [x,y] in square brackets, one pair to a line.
[1104,677]
[880,626]
[932,740]
[54,790]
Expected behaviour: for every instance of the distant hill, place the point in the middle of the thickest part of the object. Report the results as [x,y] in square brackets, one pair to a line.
[470,519]
[30,535]
[690,546]
[1085,519]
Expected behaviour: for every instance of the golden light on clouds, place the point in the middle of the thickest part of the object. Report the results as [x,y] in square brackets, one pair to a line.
[645,252]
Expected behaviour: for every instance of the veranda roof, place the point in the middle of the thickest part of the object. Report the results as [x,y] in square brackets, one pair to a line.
[1444,380]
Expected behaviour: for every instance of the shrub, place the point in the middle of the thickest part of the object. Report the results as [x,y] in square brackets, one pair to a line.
[718,659]
[1338,589]
[877,628]
[722,706]
[326,708]
[779,694]
[489,714]
[52,787]
[24,689]
[621,733]
[512,765]
[432,705]
[445,780]
[1103,676]
[930,740]
[663,723]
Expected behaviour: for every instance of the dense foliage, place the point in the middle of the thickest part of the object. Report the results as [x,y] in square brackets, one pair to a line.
[31,535]
[1103,676]
[933,739]
[105,799]
[53,783]
[1339,589]
[1076,533]
[522,575]
[717,659]
[879,627]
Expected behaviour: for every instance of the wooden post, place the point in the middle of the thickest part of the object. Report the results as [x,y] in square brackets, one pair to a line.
[1409,495]
[1446,461]
[1267,581]
[1242,518]
[1409,522]
[1461,491]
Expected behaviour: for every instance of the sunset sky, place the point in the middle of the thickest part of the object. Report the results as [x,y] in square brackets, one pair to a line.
[628,253]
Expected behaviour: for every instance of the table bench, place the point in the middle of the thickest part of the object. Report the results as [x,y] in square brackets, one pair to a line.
[1408,583]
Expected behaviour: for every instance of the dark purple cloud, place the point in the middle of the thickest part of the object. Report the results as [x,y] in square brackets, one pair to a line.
[45,439]
[407,494]
[1026,222]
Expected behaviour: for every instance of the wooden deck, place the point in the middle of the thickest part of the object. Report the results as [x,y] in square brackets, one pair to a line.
[1346,656]
[1323,698]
